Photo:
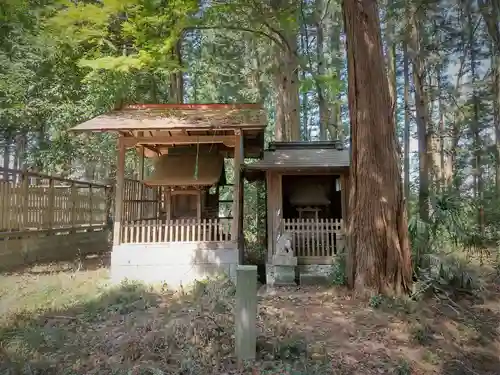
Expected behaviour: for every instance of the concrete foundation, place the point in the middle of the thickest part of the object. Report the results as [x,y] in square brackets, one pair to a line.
[39,247]
[277,275]
[176,264]
[314,274]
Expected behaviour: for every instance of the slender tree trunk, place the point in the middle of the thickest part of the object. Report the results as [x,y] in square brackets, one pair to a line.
[391,55]
[6,155]
[280,122]
[458,119]
[422,117]
[379,253]
[305,94]
[177,78]
[305,111]
[490,10]
[442,133]
[324,114]
[406,73]
[475,126]
[287,90]
[290,83]
[433,134]
[496,117]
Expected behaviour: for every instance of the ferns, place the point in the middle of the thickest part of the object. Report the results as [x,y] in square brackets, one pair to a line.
[442,246]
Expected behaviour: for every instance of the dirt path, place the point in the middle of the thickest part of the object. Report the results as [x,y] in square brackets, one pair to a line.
[429,337]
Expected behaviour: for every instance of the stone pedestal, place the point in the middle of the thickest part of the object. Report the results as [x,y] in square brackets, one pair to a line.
[246,313]
[281,271]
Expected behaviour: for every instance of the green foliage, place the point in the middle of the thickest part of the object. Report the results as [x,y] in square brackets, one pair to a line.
[403,368]
[422,334]
[338,274]
[443,246]
[124,36]
[376,301]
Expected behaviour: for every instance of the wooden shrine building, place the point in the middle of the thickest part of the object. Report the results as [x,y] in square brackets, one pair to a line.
[306,197]
[176,226]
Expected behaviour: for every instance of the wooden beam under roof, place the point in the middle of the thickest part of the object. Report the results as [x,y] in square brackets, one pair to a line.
[227,140]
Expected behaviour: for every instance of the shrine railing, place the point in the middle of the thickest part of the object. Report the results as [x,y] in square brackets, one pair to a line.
[180,230]
[315,237]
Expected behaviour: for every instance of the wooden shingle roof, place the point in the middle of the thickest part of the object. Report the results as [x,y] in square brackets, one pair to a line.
[302,156]
[179,116]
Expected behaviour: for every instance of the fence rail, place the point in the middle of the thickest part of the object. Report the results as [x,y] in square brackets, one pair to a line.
[140,202]
[30,202]
[181,230]
[315,238]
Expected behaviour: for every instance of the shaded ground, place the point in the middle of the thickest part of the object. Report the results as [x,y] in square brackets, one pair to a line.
[67,319]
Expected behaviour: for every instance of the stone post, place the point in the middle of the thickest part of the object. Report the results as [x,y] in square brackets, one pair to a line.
[246,312]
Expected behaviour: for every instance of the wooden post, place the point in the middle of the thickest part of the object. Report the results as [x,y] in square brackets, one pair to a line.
[198,205]
[90,205]
[270,212]
[73,205]
[168,204]
[141,178]
[108,194]
[120,177]
[50,205]
[237,206]
[246,312]
[344,195]
[274,210]
[241,233]
[25,185]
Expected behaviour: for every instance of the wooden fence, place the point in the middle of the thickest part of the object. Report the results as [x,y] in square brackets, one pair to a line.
[313,238]
[34,202]
[140,202]
[181,230]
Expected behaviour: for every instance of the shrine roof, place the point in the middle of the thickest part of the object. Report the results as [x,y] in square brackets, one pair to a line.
[178,116]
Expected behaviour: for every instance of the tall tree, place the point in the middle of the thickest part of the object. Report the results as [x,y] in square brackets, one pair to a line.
[379,252]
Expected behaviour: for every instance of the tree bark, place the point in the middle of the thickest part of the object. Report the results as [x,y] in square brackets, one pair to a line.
[406,168]
[442,129]
[496,117]
[288,83]
[422,117]
[475,126]
[324,113]
[391,55]
[177,78]
[305,94]
[379,257]
[490,10]
[6,155]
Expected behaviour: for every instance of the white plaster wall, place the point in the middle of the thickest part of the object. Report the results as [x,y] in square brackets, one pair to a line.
[176,264]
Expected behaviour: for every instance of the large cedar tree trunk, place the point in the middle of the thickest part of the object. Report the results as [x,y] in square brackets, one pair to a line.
[379,252]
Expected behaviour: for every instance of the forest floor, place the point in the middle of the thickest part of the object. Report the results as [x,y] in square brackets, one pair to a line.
[67,319]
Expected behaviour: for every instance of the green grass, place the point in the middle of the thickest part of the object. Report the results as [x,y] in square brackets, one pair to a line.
[33,294]
[58,321]
[50,315]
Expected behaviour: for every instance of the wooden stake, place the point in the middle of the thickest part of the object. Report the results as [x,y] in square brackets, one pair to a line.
[120,176]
